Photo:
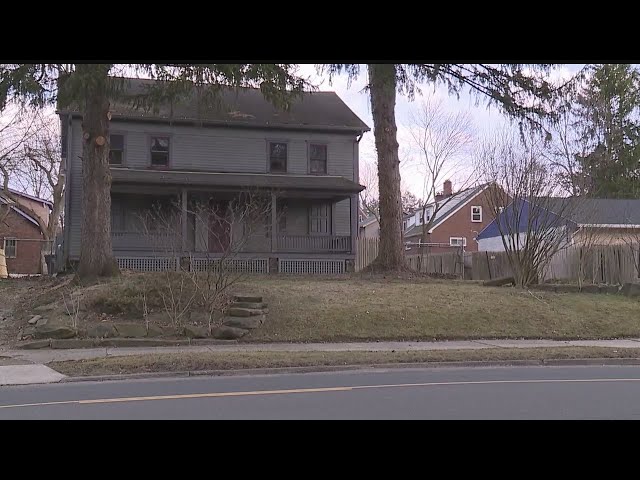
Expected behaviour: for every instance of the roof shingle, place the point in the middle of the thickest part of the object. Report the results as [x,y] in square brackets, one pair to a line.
[243,107]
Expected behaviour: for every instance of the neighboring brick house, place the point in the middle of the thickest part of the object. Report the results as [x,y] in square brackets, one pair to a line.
[20,233]
[461,216]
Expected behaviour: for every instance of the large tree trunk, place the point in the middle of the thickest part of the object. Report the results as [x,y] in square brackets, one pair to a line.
[96,256]
[382,83]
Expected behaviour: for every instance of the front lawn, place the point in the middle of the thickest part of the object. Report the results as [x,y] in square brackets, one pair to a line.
[352,308]
[330,310]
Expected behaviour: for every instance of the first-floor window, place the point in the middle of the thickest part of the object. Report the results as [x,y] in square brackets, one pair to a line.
[320,219]
[458,241]
[10,247]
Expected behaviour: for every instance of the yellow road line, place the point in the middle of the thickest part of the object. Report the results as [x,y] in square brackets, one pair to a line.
[313,390]
[215,395]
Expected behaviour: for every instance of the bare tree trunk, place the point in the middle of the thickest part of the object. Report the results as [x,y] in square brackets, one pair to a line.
[382,82]
[96,256]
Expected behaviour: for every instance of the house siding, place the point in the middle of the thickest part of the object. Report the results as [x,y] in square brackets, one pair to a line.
[460,225]
[74,220]
[606,236]
[29,244]
[234,150]
[227,150]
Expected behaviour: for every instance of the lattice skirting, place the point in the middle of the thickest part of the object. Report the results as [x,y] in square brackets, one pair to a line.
[311,266]
[148,264]
[255,265]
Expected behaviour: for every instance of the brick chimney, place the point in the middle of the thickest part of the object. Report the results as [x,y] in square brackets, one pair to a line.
[447,191]
[447,188]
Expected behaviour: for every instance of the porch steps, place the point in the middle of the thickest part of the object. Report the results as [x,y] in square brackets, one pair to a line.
[246,312]
[253,305]
[247,298]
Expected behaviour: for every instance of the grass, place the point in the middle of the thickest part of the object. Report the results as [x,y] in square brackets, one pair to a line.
[245,360]
[368,308]
[317,310]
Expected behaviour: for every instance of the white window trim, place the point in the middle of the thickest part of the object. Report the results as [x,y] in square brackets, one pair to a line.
[472,214]
[15,250]
[451,240]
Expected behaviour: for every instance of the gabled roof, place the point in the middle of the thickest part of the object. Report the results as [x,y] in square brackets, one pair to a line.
[16,206]
[368,221]
[243,107]
[521,211]
[452,205]
[7,201]
[590,212]
[598,211]
[31,197]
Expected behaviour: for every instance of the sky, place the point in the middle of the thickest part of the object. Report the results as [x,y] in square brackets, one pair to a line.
[484,119]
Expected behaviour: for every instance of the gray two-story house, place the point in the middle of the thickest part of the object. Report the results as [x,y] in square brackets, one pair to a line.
[304,161]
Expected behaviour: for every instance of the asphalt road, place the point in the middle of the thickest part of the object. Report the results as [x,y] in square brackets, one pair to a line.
[586,392]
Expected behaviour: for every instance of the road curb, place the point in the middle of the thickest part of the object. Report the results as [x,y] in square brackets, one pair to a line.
[337,368]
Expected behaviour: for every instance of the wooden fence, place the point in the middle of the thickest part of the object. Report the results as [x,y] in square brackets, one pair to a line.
[367,251]
[612,264]
[449,263]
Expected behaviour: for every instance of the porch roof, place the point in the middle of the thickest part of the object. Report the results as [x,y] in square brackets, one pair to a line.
[320,183]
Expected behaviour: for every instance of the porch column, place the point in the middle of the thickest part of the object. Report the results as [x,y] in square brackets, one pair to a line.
[274,222]
[355,225]
[183,204]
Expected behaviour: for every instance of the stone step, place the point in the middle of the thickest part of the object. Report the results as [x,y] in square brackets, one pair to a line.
[229,333]
[248,323]
[244,312]
[254,305]
[247,298]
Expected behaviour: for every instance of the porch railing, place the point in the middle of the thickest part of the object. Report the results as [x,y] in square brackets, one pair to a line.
[309,243]
[140,241]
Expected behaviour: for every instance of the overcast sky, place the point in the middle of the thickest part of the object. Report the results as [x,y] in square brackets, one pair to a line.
[484,119]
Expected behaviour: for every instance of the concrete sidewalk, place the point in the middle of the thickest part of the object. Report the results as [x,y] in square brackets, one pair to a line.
[46,356]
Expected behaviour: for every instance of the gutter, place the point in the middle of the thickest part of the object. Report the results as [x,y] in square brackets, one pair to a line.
[608,225]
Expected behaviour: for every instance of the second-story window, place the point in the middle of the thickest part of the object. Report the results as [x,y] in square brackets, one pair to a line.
[116,149]
[159,151]
[318,159]
[278,157]
[476,214]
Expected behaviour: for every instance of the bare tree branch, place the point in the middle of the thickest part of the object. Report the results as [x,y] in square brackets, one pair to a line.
[442,140]
[533,223]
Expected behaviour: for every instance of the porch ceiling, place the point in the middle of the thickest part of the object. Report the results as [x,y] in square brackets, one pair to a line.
[285,185]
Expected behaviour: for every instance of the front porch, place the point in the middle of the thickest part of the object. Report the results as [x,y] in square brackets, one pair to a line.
[179,222]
